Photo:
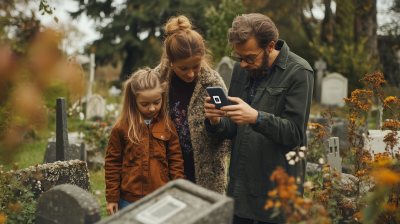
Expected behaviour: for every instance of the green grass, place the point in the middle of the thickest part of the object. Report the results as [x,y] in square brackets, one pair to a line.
[97,183]
[28,155]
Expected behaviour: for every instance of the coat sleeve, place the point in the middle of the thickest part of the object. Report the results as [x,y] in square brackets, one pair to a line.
[113,165]
[289,129]
[174,155]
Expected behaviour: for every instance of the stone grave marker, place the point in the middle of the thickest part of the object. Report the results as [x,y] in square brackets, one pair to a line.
[65,204]
[179,201]
[77,150]
[320,66]
[62,145]
[332,154]
[333,90]
[96,107]
[225,68]
[46,176]
[374,142]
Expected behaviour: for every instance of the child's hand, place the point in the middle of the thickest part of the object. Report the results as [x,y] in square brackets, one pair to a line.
[111,207]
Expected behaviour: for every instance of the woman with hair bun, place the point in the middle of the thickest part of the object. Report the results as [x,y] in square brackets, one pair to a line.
[185,65]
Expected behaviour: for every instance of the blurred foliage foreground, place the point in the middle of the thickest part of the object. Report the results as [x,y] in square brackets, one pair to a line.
[376,196]
[25,78]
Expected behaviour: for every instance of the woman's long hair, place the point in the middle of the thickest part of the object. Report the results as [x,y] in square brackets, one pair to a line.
[182,42]
[143,79]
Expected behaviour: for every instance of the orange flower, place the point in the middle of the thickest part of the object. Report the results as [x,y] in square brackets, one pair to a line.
[298,201]
[269,204]
[390,207]
[273,193]
[357,216]
[104,124]
[3,218]
[325,170]
[327,165]
[278,204]
[385,177]
[94,125]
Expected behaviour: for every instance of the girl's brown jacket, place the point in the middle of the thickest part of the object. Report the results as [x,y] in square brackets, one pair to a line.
[132,172]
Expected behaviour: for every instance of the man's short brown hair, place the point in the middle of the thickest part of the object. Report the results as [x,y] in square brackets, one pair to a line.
[254,25]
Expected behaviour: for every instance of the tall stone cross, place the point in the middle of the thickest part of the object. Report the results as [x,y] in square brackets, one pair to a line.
[320,66]
[91,78]
[62,144]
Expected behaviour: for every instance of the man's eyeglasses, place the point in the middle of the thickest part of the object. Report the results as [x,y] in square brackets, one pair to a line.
[239,59]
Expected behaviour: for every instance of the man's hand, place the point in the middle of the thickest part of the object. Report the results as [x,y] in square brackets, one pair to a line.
[242,113]
[212,114]
[111,206]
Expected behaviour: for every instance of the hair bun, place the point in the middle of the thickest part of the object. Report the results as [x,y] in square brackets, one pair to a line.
[177,24]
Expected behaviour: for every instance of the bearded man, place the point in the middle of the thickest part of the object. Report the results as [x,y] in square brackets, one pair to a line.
[271,89]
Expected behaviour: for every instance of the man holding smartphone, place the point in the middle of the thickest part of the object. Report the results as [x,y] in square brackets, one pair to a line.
[271,90]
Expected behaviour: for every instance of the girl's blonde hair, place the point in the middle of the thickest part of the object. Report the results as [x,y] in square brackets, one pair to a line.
[143,79]
[182,42]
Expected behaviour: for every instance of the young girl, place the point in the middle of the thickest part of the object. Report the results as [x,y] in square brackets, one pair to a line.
[143,152]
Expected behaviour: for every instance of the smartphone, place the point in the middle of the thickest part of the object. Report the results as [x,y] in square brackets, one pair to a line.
[218,97]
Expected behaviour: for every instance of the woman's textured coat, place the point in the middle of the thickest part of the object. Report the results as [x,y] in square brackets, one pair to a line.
[210,155]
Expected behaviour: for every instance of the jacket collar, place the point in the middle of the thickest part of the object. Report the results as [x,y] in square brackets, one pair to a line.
[282,58]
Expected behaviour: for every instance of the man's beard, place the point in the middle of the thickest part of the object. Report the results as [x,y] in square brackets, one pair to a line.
[255,71]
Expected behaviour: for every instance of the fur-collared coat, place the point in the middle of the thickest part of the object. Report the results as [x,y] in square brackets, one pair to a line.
[210,154]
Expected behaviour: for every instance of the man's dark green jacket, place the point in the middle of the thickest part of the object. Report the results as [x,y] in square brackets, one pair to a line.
[284,100]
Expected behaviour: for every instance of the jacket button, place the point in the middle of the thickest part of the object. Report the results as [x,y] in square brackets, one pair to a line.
[162,137]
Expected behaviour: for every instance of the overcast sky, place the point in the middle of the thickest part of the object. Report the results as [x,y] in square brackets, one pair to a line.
[86,25]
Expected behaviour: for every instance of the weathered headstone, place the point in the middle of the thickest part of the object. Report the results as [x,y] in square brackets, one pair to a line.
[96,107]
[333,90]
[46,176]
[374,142]
[77,150]
[320,66]
[332,154]
[225,68]
[65,204]
[113,91]
[179,201]
[62,145]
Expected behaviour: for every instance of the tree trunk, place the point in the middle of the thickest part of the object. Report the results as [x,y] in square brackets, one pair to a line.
[365,25]
[327,23]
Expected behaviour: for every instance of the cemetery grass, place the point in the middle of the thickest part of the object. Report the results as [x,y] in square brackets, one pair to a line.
[28,155]
[97,183]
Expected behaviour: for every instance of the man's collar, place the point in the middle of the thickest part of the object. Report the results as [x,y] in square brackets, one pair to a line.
[282,58]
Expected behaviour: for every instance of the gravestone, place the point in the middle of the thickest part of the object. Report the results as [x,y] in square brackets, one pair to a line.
[332,154]
[62,145]
[46,176]
[96,107]
[113,91]
[225,68]
[374,143]
[65,204]
[179,201]
[77,150]
[320,66]
[333,90]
